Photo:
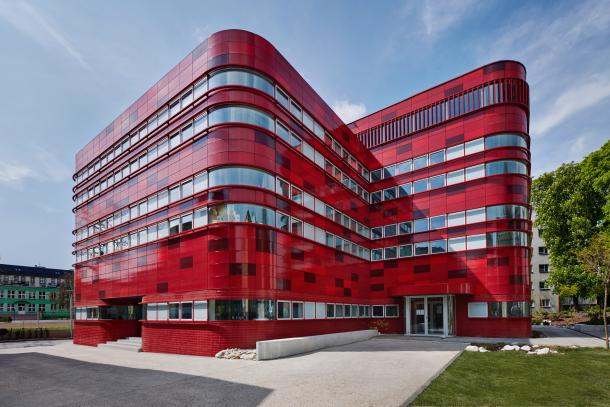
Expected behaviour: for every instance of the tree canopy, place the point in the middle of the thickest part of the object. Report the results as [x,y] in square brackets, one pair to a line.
[572,205]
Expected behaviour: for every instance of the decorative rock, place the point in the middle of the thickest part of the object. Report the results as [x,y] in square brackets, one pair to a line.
[543,351]
[536,346]
[235,353]
[510,347]
[554,351]
[483,350]
[533,352]
[472,348]
[573,347]
[526,348]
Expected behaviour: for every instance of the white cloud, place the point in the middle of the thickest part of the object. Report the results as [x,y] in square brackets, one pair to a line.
[438,16]
[571,101]
[11,173]
[30,21]
[347,111]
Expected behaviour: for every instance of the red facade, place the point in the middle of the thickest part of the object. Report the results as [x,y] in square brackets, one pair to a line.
[230,204]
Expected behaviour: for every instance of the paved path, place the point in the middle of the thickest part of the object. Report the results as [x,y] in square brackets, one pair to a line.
[384,371]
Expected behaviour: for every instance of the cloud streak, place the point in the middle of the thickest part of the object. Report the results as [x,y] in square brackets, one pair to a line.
[30,21]
[13,174]
[348,111]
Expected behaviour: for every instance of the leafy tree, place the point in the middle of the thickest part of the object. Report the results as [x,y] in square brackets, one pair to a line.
[568,210]
[596,169]
[595,259]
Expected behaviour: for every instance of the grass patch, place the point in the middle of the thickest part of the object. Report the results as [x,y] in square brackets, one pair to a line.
[573,377]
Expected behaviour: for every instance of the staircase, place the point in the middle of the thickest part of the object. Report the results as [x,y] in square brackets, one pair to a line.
[131,344]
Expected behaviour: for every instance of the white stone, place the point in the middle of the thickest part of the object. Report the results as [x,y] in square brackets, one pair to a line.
[482,349]
[536,346]
[507,347]
[526,348]
[472,348]
[543,351]
[533,352]
[554,351]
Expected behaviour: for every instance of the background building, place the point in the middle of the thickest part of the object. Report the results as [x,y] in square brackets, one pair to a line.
[230,204]
[542,295]
[31,292]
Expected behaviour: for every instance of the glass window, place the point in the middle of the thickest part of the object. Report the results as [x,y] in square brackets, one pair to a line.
[376,232]
[477,310]
[389,171]
[390,252]
[420,225]
[297,194]
[474,146]
[505,167]
[297,310]
[456,219]
[186,222]
[162,198]
[404,190]
[438,246]
[404,228]
[321,310]
[282,221]
[339,310]
[376,175]
[174,193]
[376,254]
[457,244]
[238,212]
[455,152]
[310,310]
[308,121]
[391,311]
[186,310]
[200,182]
[475,242]
[505,140]
[403,167]
[240,77]
[296,226]
[421,248]
[283,132]
[455,177]
[241,114]
[282,187]
[283,310]
[174,226]
[506,212]
[282,97]
[518,309]
[420,185]
[162,230]
[174,140]
[420,162]
[437,157]
[200,217]
[389,193]
[376,197]
[475,215]
[295,141]
[174,310]
[389,230]
[241,176]
[296,110]
[187,188]
[308,201]
[437,181]
[405,250]
[507,238]
[437,222]
[200,311]
[475,172]
[378,311]
[308,151]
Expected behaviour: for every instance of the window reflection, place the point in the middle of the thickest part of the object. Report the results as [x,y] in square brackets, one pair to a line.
[239,212]
[240,77]
[241,114]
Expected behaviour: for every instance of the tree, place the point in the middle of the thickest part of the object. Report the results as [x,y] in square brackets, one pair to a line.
[595,259]
[568,210]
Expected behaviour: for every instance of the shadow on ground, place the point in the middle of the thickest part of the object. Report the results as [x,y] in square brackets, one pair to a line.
[44,380]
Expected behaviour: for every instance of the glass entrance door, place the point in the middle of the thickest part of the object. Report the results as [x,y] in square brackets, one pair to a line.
[430,315]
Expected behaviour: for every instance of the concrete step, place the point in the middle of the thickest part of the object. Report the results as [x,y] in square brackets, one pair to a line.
[132,344]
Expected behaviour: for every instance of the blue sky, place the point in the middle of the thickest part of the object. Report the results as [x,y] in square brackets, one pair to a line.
[69,67]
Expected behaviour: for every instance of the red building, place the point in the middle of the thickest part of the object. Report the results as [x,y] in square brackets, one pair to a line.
[230,204]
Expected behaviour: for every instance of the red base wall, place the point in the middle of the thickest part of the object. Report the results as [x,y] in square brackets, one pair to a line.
[93,333]
[490,327]
[208,338]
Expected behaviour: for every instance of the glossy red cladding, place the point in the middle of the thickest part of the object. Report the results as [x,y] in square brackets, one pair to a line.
[230,204]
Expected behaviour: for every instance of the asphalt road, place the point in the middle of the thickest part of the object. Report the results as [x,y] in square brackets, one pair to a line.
[35,379]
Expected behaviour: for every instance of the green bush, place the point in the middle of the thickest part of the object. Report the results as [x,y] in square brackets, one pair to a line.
[6,319]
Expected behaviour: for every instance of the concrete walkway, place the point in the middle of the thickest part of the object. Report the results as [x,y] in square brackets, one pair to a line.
[384,371]
[554,336]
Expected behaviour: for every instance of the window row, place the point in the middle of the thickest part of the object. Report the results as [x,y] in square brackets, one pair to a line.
[450,178]
[219,177]
[313,126]
[455,244]
[27,307]
[263,310]
[22,295]
[449,153]
[225,212]
[451,219]
[223,77]
[503,309]
[219,78]
[225,114]
[500,91]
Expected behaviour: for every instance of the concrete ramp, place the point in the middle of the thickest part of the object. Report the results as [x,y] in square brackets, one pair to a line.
[281,348]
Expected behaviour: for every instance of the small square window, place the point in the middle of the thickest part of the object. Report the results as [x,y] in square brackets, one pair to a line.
[389,230]
[404,228]
[405,250]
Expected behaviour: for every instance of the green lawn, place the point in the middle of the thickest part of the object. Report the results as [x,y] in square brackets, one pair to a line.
[573,377]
